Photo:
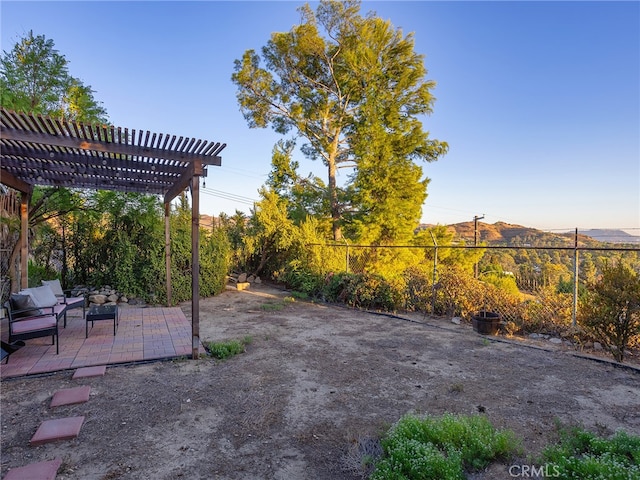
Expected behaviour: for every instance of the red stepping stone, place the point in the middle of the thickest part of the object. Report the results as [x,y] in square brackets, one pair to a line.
[90,372]
[35,471]
[54,430]
[70,396]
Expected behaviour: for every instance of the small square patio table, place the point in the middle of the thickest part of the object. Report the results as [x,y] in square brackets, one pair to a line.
[101,312]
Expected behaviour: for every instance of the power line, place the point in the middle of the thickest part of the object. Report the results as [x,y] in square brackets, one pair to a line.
[229,196]
[244,173]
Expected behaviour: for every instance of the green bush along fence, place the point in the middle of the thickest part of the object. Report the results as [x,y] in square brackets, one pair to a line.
[534,289]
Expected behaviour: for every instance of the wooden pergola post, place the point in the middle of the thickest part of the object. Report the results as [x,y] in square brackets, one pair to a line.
[24,247]
[195,266]
[167,249]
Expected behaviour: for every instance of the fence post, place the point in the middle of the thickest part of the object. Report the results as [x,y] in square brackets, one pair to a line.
[574,310]
[435,274]
[347,256]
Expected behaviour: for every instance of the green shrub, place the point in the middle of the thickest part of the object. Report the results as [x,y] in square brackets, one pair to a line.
[547,312]
[300,278]
[505,283]
[334,285]
[215,254]
[224,350]
[582,454]
[610,310]
[419,288]
[412,459]
[458,293]
[299,295]
[362,290]
[441,448]
[37,273]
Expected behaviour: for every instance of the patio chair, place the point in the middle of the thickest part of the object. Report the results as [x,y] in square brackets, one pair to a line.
[44,298]
[27,321]
[71,298]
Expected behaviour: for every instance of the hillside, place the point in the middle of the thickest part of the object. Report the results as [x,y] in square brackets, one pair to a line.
[612,236]
[502,233]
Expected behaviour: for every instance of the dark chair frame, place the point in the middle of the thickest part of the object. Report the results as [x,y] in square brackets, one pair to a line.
[81,299]
[51,329]
[9,348]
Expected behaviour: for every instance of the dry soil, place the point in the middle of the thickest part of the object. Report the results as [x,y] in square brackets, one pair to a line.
[311,395]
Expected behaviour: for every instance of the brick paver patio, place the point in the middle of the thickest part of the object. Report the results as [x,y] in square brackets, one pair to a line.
[143,334]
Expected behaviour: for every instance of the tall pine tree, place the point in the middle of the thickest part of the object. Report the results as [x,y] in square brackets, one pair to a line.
[355,96]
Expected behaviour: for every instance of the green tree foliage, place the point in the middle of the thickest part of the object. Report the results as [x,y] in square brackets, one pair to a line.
[447,255]
[79,105]
[304,195]
[235,228]
[611,309]
[311,259]
[116,240]
[334,90]
[271,233]
[34,78]
[494,274]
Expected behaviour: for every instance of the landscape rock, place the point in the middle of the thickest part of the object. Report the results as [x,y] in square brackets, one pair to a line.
[555,340]
[98,299]
[242,278]
[113,298]
[456,320]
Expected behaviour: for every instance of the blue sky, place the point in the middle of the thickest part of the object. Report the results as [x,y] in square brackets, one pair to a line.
[539,101]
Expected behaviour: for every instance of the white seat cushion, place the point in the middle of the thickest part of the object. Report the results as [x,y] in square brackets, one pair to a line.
[55,286]
[41,296]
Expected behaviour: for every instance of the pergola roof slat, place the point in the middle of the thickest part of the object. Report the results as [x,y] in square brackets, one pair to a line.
[41,150]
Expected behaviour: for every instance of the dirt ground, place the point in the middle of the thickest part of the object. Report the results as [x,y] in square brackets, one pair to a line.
[311,395]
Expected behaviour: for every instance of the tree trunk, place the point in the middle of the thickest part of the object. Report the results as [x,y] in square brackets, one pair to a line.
[333,189]
[15,254]
[264,258]
[65,268]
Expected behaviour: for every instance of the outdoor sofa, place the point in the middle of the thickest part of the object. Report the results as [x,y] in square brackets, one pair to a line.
[36,312]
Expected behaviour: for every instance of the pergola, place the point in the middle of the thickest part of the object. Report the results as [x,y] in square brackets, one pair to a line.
[40,150]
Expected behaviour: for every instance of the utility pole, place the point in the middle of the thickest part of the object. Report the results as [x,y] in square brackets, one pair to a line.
[574,310]
[475,238]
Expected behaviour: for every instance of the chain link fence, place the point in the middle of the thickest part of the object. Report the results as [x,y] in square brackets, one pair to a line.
[534,289]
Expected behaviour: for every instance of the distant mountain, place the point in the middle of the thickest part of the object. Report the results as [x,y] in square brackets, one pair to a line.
[502,233]
[611,236]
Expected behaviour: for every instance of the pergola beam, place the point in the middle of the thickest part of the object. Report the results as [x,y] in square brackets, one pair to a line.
[8,133]
[11,181]
[195,169]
